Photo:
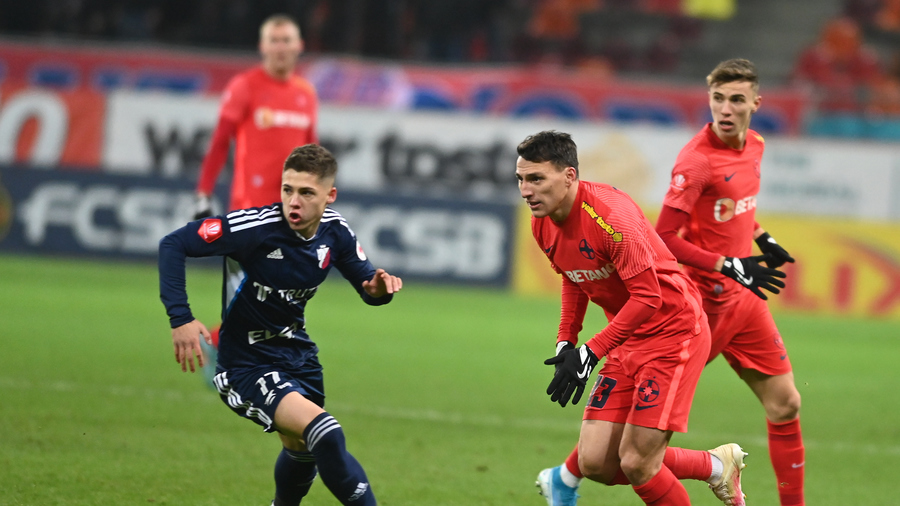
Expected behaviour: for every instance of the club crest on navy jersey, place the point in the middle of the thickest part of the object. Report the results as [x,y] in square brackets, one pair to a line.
[324,254]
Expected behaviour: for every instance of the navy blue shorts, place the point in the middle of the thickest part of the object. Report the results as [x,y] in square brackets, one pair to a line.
[255,392]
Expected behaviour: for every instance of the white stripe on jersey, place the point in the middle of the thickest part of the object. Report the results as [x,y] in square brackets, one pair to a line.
[256,223]
[331,215]
[265,213]
[242,212]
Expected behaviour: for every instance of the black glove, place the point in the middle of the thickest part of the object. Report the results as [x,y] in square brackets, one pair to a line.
[574,369]
[561,347]
[749,273]
[202,207]
[769,247]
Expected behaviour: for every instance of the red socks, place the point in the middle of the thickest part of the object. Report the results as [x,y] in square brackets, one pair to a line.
[572,463]
[688,464]
[788,459]
[663,489]
[683,463]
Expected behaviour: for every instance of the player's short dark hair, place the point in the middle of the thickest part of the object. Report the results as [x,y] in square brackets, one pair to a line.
[736,69]
[314,159]
[278,19]
[551,146]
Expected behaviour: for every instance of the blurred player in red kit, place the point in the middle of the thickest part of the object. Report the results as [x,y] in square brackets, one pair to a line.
[268,111]
[655,345]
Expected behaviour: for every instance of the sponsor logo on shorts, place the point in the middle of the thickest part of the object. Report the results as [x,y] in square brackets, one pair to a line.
[641,408]
[648,391]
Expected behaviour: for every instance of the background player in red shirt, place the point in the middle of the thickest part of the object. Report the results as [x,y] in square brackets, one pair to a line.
[656,343]
[269,111]
[712,202]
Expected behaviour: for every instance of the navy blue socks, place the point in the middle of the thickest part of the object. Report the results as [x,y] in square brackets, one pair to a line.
[340,472]
[294,474]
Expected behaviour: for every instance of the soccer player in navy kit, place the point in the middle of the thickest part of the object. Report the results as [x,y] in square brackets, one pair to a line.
[276,257]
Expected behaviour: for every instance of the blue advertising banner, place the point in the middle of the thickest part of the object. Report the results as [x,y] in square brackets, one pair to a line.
[106,215]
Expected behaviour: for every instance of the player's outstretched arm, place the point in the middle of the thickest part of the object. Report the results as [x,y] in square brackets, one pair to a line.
[186,340]
[768,246]
[382,284]
[748,272]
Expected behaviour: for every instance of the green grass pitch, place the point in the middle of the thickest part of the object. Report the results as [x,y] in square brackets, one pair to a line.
[441,395]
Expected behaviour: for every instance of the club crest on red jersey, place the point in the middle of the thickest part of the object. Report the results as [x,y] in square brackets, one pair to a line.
[210,229]
[324,254]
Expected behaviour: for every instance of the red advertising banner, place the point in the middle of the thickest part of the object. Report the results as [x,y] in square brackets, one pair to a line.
[517,91]
[50,127]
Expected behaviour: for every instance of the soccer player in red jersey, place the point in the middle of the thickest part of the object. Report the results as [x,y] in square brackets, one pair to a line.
[655,345]
[269,111]
[712,201]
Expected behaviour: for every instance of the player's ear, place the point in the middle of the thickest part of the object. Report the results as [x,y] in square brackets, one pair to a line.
[571,175]
[756,102]
[332,195]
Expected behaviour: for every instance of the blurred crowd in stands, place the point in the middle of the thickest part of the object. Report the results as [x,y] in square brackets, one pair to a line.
[853,69]
[514,31]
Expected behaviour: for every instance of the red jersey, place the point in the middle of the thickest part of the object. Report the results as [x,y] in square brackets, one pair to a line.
[603,243]
[717,186]
[268,118]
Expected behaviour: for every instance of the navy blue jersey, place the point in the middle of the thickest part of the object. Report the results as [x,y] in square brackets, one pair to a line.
[270,273]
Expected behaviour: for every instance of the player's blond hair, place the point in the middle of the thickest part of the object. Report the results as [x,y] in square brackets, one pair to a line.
[314,159]
[736,69]
[278,20]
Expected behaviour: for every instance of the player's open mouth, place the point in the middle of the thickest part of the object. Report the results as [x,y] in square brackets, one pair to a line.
[726,124]
[532,205]
[294,216]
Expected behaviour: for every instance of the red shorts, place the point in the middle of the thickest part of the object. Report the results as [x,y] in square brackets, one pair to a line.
[650,388]
[745,334]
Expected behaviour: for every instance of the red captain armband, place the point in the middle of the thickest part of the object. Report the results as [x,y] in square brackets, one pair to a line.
[210,229]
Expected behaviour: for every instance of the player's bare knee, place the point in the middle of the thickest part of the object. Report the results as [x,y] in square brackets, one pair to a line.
[292,443]
[597,469]
[785,408]
[638,468]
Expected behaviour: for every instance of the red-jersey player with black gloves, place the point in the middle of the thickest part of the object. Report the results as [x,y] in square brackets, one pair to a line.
[268,111]
[655,345]
[712,201]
